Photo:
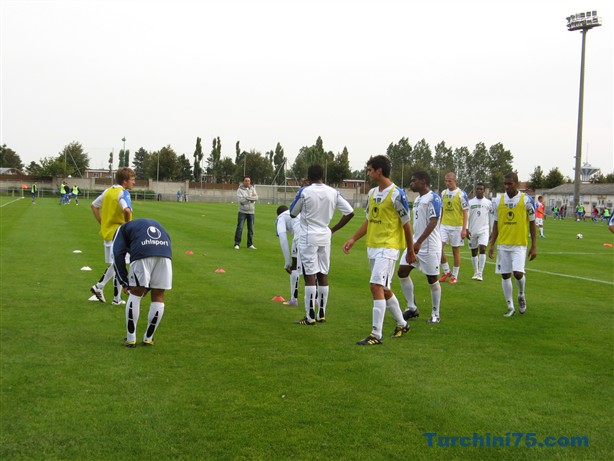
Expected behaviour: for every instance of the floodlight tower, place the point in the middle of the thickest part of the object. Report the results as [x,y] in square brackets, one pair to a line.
[582,22]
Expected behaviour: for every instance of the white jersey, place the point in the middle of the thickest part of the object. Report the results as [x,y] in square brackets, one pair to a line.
[426,207]
[480,215]
[316,204]
[285,224]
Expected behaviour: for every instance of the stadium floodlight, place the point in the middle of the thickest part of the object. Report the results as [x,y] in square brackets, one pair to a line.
[583,22]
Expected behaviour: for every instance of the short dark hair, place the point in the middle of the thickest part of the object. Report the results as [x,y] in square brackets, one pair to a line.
[247,177]
[480,183]
[123,174]
[513,176]
[380,161]
[315,173]
[281,209]
[422,175]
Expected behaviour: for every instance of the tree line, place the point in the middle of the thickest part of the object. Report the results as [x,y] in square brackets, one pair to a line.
[480,164]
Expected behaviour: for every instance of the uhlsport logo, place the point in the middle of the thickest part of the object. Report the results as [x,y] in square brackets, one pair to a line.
[153,232]
[510,215]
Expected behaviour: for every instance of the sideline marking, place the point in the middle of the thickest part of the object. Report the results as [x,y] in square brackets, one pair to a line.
[557,274]
[12,201]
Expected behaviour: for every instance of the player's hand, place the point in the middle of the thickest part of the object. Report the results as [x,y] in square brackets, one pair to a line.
[464,233]
[417,246]
[288,268]
[348,245]
[532,253]
[126,290]
[491,252]
[411,257]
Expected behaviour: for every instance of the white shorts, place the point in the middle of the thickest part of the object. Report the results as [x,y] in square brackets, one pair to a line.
[539,221]
[510,259]
[153,272]
[428,263]
[315,259]
[452,235]
[108,253]
[477,240]
[382,271]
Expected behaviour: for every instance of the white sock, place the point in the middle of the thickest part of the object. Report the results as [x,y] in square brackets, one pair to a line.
[394,308]
[508,292]
[294,277]
[455,271]
[481,262]
[474,263]
[133,309]
[541,231]
[310,300]
[379,310]
[156,311]
[446,268]
[407,286]
[521,283]
[435,297]
[321,301]
[108,275]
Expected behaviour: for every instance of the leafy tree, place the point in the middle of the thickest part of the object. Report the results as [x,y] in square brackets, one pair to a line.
[226,169]
[501,162]
[258,167]
[185,169]
[110,162]
[554,178]
[312,155]
[279,164]
[213,160]
[124,158]
[34,169]
[421,158]
[478,166]
[198,157]
[141,159]
[537,179]
[443,162]
[9,158]
[340,168]
[71,161]
[164,165]
[238,154]
[461,162]
[400,157]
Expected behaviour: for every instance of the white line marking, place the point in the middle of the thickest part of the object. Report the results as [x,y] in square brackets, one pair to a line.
[12,201]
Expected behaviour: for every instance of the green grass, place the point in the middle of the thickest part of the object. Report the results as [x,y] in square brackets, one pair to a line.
[231,377]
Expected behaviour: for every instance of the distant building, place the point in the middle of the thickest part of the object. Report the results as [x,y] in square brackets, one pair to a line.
[599,195]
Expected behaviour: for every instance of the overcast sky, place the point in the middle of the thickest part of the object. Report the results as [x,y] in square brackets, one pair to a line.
[358,73]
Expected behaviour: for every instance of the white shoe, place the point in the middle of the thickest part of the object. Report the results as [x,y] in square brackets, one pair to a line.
[98,293]
[475,276]
[511,311]
[118,302]
[522,305]
[433,319]
[237,247]
[478,277]
[252,247]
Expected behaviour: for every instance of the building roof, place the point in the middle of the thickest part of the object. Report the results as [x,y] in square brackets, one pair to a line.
[585,189]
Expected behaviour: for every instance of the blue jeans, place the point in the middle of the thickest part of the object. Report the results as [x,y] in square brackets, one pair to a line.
[250,228]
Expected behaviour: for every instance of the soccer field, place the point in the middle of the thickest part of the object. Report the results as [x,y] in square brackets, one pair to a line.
[231,376]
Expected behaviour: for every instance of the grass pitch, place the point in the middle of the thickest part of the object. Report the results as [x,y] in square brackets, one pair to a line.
[231,376]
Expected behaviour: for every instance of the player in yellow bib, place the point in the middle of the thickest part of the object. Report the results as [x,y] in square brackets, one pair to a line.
[111,209]
[453,226]
[514,217]
[388,231]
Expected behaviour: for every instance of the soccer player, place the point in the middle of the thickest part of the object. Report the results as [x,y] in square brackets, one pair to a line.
[247,197]
[388,230]
[514,216]
[316,204]
[453,226]
[540,211]
[427,245]
[75,193]
[285,225]
[111,209]
[151,269]
[611,223]
[480,218]
[33,191]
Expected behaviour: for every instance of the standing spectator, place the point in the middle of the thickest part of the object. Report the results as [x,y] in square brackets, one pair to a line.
[247,197]
[179,195]
[453,226]
[316,204]
[284,225]
[388,230]
[111,209]
[480,218]
[514,214]
[540,211]
[75,193]
[149,246]
[427,245]
[33,191]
